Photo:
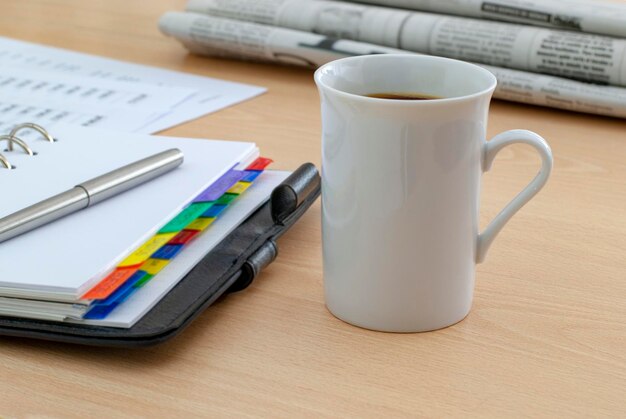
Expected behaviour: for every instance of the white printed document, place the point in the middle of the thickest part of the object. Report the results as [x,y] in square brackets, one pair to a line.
[44,86]
[164,98]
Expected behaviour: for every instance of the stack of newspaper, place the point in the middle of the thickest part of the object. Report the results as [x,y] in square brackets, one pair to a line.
[559,53]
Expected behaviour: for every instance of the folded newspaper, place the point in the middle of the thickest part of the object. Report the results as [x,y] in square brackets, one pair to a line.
[567,54]
[207,35]
[583,16]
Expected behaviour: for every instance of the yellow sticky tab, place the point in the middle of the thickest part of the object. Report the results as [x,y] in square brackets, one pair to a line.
[147,249]
[239,188]
[154,266]
[200,224]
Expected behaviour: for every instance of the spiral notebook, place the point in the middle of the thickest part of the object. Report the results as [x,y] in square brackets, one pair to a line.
[62,260]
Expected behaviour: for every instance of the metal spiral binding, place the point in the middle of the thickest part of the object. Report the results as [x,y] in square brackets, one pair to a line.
[5,162]
[13,138]
[30,125]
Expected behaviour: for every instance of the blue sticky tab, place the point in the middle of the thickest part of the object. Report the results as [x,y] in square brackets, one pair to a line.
[214,211]
[130,291]
[250,175]
[100,312]
[167,252]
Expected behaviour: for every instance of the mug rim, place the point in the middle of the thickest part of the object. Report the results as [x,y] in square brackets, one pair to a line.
[399,102]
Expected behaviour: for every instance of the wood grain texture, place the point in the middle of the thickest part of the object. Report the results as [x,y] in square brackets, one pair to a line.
[546,336]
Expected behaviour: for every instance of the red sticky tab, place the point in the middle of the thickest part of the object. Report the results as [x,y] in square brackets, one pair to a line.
[109,284]
[260,164]
[184,237]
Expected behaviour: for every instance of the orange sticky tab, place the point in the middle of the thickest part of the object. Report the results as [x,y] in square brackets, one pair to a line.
[109,284]
[147,249]
[239,188]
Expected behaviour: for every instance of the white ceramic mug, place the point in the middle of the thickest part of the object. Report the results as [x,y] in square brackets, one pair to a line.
[401,186]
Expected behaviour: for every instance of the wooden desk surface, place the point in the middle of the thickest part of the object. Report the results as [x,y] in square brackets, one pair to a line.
[546,336]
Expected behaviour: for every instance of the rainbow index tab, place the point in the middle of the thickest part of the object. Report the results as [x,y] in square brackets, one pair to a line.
[103,308]
[201,223]
[154,266]
[220,186]
[169,251]
[148,260]
[122,289]
[109,284]
[144,281]
[189,214]
[250,175]
[147,249]
[260,164]
[239,188]
[226,199]
[214,211]
[186,236]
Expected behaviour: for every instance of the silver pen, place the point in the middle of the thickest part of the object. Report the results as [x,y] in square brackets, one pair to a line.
[89,193]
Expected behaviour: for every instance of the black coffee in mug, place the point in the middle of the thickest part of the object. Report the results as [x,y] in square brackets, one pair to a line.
[403,96]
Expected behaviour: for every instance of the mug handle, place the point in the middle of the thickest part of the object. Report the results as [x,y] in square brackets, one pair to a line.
[491,149]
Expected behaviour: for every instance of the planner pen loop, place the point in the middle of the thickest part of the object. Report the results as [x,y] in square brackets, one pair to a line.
[30,125]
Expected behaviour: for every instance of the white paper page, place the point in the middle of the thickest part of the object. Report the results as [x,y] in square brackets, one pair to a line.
[44,308]
[138,304]
[213,94]
[54,317]
[63,259]
[38,86]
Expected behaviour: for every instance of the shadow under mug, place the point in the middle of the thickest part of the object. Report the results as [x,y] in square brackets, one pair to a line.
[401,187]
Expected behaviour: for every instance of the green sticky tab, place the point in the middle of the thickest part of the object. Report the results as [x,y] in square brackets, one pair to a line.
[226,199]
[188,215]
[144,280]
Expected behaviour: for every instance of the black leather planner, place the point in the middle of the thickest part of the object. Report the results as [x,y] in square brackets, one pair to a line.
[230,267]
